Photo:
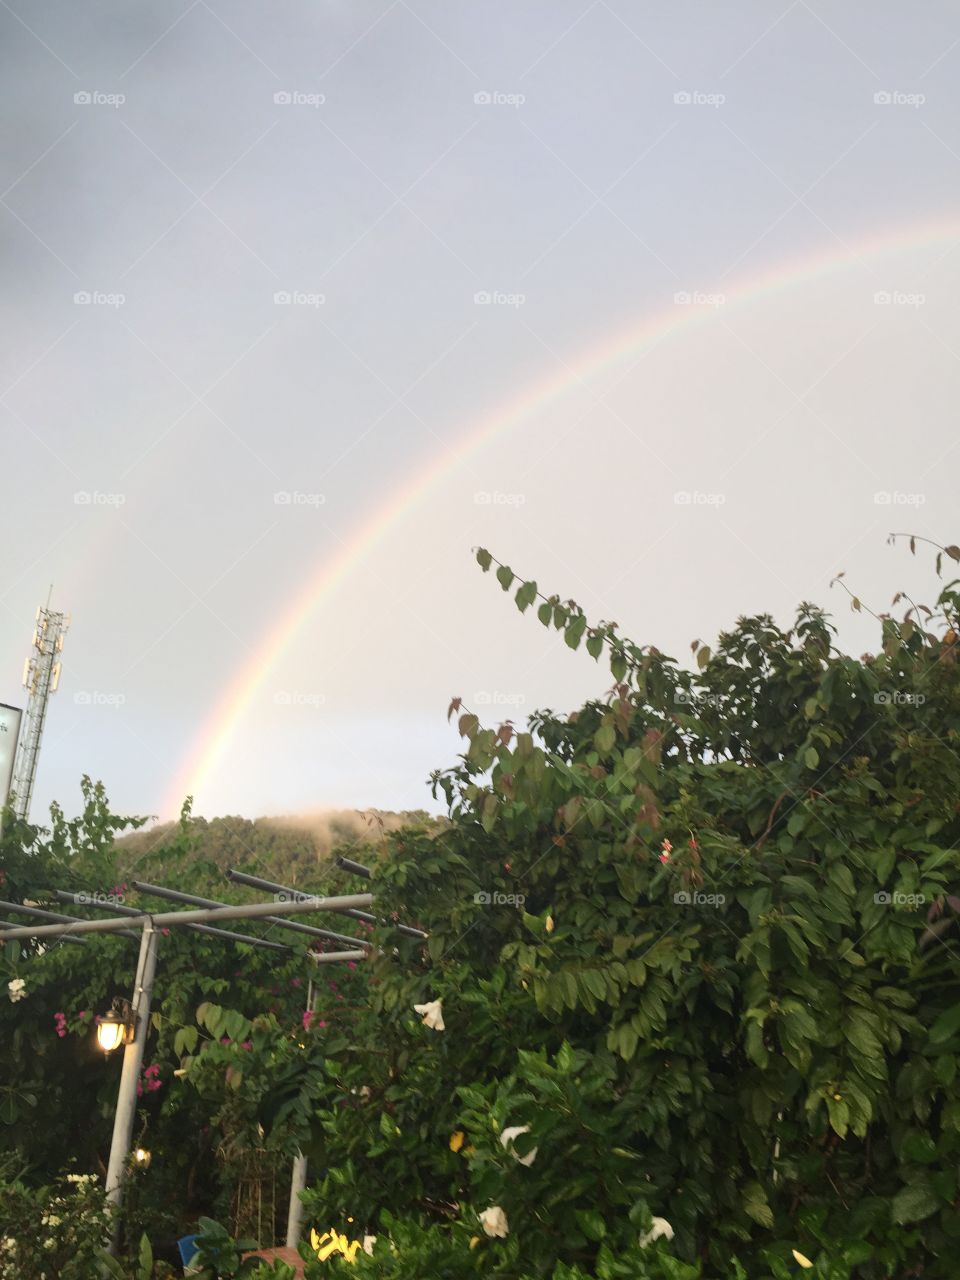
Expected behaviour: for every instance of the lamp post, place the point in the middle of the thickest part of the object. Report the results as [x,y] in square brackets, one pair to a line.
[135,1039]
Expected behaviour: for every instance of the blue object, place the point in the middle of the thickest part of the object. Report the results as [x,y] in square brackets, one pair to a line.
[188,1248]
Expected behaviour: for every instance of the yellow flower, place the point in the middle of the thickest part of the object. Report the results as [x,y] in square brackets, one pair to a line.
[798,1256]
[474,1241]
[457,1140]
[549,924]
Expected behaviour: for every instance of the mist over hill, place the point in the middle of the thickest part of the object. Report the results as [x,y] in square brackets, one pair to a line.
[294,849]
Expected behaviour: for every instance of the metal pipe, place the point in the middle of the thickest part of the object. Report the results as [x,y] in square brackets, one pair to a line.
[251,911]
[327,957]
[298,1175]
[36,914]
[83,900]
[174,895]
[355,868]
[130,1071]
[8,924]
[255,882]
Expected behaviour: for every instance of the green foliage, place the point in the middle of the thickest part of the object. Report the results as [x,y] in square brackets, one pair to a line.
[56,1229]
[696,938]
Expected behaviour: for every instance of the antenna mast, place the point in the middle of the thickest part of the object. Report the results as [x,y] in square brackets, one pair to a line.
[41,676]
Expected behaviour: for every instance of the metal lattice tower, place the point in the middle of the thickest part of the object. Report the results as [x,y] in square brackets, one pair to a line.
[41,675]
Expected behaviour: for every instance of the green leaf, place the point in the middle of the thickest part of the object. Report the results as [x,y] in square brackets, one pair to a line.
[526,596]
[755,1204]
[505,577]
[591,1224]
[605,737]
[146,1256]
[811,758]
[595,644]
[484,559]
[915,1202]
[947,1025]
[545,613]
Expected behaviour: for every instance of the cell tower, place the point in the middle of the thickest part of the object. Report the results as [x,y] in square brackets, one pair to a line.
[41,675]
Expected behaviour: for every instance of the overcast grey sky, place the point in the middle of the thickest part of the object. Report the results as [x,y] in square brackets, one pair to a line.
[309,249]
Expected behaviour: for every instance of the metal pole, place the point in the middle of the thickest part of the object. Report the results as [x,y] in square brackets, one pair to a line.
[347,909]
[251,911]
[298,1177]
[130,1072]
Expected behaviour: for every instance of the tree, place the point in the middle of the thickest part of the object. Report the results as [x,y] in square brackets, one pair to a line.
[692,946]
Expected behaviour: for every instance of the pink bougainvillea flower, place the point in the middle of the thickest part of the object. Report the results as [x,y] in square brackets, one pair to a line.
[295,982]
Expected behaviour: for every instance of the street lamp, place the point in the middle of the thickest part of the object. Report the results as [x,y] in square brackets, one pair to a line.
[116,1027]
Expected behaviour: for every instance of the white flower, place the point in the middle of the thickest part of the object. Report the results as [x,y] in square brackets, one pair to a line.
[494,1221]
[798,1257]
[432,1013]
[368,1243]
[506,1141]
[50,1220]
[660,1227]
[16,989]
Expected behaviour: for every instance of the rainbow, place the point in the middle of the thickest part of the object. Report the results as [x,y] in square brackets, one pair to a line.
[222,724]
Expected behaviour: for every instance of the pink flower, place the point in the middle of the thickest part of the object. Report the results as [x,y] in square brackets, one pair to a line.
[295,982]
[247,1044]
[306,1019]
[351,964]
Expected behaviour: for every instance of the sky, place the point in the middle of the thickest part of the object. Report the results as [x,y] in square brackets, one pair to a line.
[304,302]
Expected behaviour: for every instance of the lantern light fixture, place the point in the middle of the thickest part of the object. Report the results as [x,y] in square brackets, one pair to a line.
[116,1027]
